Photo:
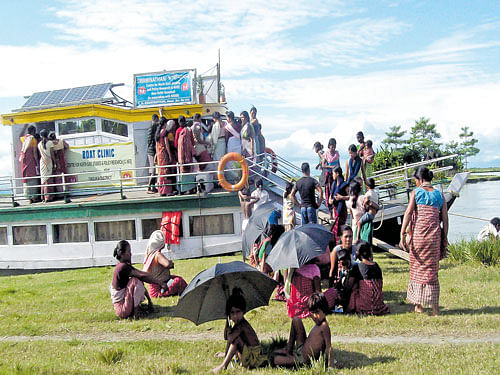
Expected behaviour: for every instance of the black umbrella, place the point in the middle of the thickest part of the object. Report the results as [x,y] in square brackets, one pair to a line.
[256,225]
[298,246]
[204,299]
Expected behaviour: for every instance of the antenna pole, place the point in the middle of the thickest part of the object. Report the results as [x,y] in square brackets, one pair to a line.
[218,77]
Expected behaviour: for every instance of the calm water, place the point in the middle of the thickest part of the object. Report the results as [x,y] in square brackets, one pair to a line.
[479,200]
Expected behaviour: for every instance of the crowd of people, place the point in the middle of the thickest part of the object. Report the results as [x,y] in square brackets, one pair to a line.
[41,157]
[184,142]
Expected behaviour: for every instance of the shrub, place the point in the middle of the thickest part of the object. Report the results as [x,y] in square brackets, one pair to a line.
[111,356]
[486,251]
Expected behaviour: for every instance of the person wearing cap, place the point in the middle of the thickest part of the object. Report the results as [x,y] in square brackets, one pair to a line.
[218,137]
[490,231]
[159,266]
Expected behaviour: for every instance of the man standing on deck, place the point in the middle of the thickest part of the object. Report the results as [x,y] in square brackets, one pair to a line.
[306,186]
[151,153]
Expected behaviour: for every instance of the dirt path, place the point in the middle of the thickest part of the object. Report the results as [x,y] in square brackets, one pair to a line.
[135,336]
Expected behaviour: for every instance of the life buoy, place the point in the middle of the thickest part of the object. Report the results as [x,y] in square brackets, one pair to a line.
[274,160]
[232,156]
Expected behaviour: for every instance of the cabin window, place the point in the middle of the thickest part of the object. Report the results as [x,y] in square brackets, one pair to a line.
[209,225]
[150,225]
[77,126]
[3,236]
[114,127]
[115,230]
[50,126]
[67,233]
[29,234]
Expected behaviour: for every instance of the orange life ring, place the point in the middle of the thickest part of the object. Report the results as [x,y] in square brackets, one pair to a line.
[232,156]
[274,160]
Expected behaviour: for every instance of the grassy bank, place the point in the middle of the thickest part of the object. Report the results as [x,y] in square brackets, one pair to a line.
[472,251]
[75,306]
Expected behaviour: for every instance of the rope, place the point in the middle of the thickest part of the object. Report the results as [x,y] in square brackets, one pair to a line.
[381,218]
[469,217]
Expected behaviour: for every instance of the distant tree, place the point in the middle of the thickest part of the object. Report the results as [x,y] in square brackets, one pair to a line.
[467,147]
[423,136]
[394,137]
[453,147]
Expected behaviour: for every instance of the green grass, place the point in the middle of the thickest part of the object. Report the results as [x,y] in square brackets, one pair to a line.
[489,169]
[168,357]
[74,306]
[77,302]
[469,251]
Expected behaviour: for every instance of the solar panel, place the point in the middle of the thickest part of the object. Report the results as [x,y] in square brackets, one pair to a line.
[72,95]
[55,97]
[75,94]
[36,99]
[97,91]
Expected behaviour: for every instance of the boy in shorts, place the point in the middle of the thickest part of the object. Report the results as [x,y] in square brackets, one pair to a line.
[302,348]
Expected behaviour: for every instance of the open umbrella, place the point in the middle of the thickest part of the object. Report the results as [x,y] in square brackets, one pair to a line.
[256,225]
[298,246]
[204,299]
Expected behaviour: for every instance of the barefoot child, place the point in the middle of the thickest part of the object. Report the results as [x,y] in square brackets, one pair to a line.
[301,349]
[241,338]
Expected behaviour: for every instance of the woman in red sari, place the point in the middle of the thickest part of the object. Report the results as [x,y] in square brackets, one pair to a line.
[165,157]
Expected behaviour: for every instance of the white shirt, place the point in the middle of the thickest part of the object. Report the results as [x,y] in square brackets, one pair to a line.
[263,196]
[487,231]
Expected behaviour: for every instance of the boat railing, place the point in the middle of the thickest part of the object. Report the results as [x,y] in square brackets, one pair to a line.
[389,179]
[79,184]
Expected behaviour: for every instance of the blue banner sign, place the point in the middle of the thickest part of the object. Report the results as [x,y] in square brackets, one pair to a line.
[163,88]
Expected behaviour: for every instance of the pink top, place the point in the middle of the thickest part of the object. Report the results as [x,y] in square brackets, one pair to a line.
[331,158]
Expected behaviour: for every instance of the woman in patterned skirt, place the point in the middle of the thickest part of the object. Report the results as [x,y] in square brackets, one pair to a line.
[427,239]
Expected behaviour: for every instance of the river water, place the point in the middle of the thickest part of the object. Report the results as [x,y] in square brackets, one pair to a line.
[480,200]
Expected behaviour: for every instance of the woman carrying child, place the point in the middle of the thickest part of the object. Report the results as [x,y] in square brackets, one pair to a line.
[272,236]
[127,288]
[366,282]
[288,212]
[370,204]
[241,337]
[329,163]
[159,266]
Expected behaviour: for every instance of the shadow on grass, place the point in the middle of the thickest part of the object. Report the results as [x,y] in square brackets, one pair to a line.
[160,311]
[482,310]
[397,302]
[352,360]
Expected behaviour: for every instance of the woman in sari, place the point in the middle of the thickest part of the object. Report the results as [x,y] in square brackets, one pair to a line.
[60,147]
[127,288]
[353,165]
[165,157]
[185,154]
[47,161]
[159,267]
[247,135]
[29,164]
[218,137]
[233,134]
[260,142]
[337,200]
[366,282]
[201,145]
[427,241]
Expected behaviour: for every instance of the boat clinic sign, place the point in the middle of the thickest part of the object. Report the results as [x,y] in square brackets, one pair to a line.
[163,88]
[109,162]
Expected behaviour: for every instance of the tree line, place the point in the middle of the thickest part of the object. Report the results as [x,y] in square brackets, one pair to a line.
[422,143]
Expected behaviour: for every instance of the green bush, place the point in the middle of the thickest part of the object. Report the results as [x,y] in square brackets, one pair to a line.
[486,251]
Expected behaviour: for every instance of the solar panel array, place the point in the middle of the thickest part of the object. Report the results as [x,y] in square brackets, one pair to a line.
[64,96]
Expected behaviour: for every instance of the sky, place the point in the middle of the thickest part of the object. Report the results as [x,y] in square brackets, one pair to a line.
[314,69]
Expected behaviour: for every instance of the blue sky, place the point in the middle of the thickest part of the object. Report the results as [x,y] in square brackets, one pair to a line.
[314,69]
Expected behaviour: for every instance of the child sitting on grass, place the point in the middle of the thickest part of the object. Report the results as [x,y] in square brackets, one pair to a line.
[301,349]
[241,338]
